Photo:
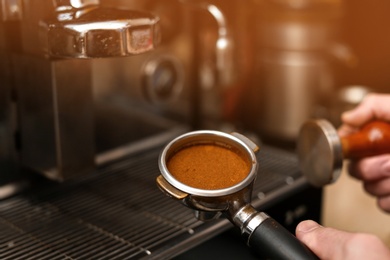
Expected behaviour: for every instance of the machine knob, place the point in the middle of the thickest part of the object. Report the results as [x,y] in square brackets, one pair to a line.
[162,78]
[83,29]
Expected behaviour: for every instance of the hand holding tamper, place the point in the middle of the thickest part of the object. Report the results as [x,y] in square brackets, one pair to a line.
[321,150]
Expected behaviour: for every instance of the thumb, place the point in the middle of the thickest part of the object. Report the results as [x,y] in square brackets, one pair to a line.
[358,116]
[329,243]
[326,243]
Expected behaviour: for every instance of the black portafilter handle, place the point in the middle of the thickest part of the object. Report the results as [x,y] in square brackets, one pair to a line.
[272,241]
[268,238]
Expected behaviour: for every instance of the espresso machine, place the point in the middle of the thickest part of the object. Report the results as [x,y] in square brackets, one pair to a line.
[90,93]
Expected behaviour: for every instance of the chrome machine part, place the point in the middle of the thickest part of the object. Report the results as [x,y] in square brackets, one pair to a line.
[162,78]
[156,77]
[11,10]
[296,40]
[224,43]
[248,219]
[10,16]
[320,153]
[85,30]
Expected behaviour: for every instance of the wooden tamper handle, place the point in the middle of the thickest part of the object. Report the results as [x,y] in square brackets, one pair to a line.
[371,139]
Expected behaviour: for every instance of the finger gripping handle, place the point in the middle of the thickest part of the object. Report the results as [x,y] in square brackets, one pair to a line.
[372,139]
[270,240]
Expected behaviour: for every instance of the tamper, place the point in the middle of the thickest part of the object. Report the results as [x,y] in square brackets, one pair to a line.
[321,150]
[202,181]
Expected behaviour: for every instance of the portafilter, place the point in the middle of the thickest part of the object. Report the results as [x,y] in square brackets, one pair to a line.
[321,151]
[266,236]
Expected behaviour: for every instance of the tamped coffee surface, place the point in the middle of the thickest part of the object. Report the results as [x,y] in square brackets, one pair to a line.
[208,167]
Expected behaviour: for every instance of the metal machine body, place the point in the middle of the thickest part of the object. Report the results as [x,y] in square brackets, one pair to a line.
[52,101]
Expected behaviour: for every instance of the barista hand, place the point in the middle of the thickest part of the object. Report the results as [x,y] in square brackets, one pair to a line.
[374,171]
[329,243]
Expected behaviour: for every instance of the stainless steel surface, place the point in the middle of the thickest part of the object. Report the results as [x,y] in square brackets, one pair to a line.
[66,5]
[157,78]
[207,137]
[319,152]
[11,10]
[295,53]
[99,32]
[5,99]
[248,219]
[224,43]
[289,96]
[53,121]
[65,127]
[120,214]
[85,29]
[207,215]
[56,115]
[162,78]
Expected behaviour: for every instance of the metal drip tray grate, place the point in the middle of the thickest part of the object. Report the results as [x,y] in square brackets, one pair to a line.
[117,214]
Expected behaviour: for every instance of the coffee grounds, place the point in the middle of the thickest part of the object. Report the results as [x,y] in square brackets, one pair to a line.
[208,167]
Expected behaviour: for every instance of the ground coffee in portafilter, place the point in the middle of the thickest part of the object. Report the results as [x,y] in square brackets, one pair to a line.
[208,166]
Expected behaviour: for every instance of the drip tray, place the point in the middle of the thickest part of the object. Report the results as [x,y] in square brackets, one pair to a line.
[119,213]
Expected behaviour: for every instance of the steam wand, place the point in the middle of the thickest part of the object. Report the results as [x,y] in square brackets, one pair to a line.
[224,43]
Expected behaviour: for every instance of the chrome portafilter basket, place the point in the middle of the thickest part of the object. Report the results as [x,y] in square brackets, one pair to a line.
[262,233]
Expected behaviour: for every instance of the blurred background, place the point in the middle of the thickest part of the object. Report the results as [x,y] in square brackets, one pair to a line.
[347,207]
[88,83]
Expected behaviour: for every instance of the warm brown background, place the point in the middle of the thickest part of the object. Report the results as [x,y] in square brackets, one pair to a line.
[347,207]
